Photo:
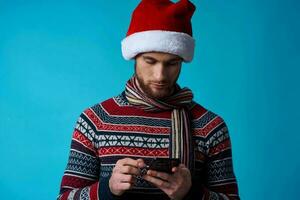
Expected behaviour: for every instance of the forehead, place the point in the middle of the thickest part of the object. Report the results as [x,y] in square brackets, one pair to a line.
[159,56]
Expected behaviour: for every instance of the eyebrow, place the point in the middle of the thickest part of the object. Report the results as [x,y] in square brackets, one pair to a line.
[167,61]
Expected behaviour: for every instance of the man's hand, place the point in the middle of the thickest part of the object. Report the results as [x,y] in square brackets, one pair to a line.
[175,185]
[123,175]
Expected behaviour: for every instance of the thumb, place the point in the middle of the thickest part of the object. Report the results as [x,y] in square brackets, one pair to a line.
[178,168]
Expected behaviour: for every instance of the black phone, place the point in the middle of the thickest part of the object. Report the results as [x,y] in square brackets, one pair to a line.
[163,164]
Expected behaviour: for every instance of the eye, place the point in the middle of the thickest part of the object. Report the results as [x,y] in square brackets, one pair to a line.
[173,63]
[150,61]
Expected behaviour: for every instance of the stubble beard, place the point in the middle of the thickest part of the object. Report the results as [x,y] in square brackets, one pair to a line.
[156,94]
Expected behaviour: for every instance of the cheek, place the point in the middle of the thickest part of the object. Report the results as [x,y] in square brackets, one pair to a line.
[146,71]
[174,74]
[143,73]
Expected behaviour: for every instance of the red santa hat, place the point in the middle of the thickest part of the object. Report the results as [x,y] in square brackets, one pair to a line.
[160,26]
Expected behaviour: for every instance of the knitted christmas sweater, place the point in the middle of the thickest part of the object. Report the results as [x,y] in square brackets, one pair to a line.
[114,129]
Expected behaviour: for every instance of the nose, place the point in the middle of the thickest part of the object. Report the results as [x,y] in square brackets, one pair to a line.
[159,72]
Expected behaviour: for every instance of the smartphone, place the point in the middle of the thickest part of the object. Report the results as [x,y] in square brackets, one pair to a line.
[163,164]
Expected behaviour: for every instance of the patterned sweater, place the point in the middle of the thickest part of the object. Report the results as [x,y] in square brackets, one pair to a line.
[114,129]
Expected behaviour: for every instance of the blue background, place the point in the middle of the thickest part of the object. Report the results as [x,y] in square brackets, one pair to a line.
[59,57]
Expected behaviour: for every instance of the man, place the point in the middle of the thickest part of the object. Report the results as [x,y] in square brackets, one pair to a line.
[114,141]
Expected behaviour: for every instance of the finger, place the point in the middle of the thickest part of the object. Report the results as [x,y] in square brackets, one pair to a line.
[141,163]
[127,179]
[157,182]
[129,170]
[124,186]
[182,166]
[161,175]
[127,161]
[130,162]
[174,169]
[179,168]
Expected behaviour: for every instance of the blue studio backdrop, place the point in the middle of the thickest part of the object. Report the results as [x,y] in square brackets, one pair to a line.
[59,57]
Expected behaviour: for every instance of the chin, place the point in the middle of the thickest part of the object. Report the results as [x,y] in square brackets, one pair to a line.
[153,92]
[158,94]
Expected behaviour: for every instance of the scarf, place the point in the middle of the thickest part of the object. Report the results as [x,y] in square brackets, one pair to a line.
[181,145]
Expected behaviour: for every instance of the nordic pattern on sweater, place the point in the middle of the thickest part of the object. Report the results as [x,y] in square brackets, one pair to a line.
[114,129]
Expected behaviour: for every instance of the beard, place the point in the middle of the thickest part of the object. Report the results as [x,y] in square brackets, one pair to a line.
[156,93]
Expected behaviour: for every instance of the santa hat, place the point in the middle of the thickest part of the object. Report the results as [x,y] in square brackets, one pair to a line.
[160,26]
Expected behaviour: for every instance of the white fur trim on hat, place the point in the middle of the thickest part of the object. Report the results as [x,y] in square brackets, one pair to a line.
[178,43]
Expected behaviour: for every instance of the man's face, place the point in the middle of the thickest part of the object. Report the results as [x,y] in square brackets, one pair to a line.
[157,73]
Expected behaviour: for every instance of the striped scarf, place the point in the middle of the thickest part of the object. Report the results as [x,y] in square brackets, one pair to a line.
[181,139]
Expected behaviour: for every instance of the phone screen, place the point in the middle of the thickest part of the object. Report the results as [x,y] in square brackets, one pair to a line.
[164,164]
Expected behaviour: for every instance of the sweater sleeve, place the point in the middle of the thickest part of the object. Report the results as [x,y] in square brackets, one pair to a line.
[219,181]
[81,176]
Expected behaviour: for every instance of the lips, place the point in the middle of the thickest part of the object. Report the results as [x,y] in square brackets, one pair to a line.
[159,85]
